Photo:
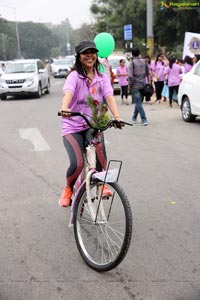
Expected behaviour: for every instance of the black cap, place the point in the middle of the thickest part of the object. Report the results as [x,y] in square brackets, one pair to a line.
[84,45]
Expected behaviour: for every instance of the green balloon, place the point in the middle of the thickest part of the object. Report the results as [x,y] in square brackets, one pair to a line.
[105,43]
[102,68]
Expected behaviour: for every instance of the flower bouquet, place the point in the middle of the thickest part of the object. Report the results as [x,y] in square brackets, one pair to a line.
[99,112]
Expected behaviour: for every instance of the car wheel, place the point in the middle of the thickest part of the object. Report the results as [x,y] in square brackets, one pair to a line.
[48,88]
[3,97]
[39,92]
[186,111]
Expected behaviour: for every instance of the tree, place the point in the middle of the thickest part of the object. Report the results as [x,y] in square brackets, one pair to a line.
[36,40]
[8,42]
[64,34]
[170,24]
[175,22]
[112,15]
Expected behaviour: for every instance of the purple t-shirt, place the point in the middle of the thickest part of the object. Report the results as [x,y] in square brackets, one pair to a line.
[188,67]
[173,74]
[159,69]
[99,89]
[123,80]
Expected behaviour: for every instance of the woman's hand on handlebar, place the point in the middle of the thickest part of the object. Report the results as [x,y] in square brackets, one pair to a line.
[65,113]
[119,123]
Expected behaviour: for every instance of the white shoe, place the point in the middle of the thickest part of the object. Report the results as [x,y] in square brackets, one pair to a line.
[144,123]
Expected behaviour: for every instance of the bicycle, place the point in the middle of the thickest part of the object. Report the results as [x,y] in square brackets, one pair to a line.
[102,226]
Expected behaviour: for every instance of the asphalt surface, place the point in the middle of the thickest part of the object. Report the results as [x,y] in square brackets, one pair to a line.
[160,174]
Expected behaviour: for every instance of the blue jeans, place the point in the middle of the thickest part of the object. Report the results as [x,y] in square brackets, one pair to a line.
[136,95]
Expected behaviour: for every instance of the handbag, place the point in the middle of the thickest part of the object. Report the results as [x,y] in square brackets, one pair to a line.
[165,91]
[147,90]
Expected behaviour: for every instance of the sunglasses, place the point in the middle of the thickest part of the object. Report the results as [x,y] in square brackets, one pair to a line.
[89,51]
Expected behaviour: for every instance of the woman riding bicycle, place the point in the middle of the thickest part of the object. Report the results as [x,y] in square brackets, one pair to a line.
[83,81]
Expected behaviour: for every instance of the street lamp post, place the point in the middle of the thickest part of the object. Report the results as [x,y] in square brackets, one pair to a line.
[68,42]
[3,36]
[17,35]
[150,38]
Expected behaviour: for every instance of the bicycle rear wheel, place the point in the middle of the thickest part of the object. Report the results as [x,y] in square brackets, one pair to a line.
[103,243]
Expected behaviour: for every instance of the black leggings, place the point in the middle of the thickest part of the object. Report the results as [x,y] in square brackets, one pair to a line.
[171,92]
[158,87]
[124,91]
[75,144]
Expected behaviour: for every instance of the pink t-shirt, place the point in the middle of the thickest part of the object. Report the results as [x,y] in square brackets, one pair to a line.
[187,67]
[99,89]
[173,74]
[159,69]
[123,78]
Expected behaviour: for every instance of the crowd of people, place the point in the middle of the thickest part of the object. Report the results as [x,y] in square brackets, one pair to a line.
[162,74]
[166,73]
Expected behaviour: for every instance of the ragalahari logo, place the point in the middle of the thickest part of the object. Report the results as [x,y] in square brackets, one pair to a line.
[180,4]
[194,45]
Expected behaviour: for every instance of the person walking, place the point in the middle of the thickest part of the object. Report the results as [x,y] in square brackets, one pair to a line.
[122,74]
[84,81]
[158,75]
[148,78]
[173,72]
[137,73]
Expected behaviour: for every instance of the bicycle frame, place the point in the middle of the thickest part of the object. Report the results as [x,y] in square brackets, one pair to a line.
[89,168]
[89,172]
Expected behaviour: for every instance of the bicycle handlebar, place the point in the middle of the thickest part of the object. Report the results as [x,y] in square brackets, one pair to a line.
[114,123]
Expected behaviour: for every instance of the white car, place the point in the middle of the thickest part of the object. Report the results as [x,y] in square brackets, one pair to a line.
[24,77]
[189,94]
[114,62]
[61,67]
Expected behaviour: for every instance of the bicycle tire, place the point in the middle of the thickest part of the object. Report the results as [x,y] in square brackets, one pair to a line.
[105,244]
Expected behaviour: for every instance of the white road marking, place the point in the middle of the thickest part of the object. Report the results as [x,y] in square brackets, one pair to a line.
[35,137]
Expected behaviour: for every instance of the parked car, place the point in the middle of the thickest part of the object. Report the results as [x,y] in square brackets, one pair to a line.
[70,60]
[114,62]
[61,67]
[24,77]
[189,94]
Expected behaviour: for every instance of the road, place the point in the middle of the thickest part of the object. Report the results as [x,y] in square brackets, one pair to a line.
[161,162]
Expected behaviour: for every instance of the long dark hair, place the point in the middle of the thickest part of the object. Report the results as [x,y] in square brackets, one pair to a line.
[197,57]
[149,61]
[188,60]
[80,69]
[158,55]
[172,60]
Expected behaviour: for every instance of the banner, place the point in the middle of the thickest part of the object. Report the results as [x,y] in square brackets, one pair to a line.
[191,44]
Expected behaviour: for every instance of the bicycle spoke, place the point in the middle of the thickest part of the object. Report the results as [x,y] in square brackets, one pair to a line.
[102,243]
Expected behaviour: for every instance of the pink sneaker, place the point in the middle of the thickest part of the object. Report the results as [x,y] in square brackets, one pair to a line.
[106,192]
[65,199]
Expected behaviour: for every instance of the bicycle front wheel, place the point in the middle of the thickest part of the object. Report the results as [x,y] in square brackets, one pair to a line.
[103,240]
